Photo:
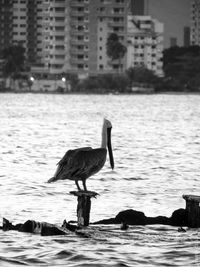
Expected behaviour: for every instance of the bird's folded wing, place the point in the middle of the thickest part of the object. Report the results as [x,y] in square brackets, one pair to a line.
[70,154]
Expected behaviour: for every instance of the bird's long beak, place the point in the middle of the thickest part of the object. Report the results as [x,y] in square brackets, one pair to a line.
[110,147]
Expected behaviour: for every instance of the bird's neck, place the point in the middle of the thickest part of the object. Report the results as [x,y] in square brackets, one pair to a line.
[104,137]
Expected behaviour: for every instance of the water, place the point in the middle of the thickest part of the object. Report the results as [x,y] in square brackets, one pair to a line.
[156,140]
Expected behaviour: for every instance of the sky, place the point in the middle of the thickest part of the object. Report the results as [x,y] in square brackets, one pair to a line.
[175,14]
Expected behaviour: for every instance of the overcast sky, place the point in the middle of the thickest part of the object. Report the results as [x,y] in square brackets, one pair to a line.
[175,14]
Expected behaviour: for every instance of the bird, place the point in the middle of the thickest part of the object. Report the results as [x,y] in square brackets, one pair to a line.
[81,163]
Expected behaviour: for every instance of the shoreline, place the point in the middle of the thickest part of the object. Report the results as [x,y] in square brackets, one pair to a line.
[101,93]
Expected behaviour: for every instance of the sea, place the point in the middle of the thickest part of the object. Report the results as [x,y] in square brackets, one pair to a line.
[156,147]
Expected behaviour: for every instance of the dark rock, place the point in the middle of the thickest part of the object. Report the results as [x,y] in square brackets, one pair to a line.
[179,218]
[28,227]
[7,225]
[69,226]
[49,230]
[131,217]
[158,220]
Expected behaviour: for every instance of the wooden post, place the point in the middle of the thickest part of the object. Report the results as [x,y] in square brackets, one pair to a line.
[193,210]
[84,206]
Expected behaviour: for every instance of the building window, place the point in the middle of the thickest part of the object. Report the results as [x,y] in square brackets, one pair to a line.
[59,47]
[118,10]
[59,38]
[59,19]
[80,66]
[102,9]
[80,37]
[80,56]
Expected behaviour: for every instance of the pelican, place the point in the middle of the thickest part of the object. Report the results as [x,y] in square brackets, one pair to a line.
[81,163]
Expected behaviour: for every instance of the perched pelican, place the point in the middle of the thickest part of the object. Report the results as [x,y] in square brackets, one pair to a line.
[80,164]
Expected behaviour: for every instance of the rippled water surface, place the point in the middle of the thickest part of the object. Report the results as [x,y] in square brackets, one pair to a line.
[156,142]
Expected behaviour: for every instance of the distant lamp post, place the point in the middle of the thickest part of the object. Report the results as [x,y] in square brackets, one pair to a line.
[31,81]
[63,79]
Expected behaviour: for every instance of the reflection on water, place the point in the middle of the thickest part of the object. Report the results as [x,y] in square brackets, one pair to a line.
[156,148]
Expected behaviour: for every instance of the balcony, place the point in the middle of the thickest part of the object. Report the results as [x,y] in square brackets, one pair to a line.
[76,32]
[45,23]
[75,13]
[57,14]
[116,24]
[58,52]
[45,4]
[58,23]
[77,60]
[76,3]
[58,60]
[75,41]
[75,23]
[74,51]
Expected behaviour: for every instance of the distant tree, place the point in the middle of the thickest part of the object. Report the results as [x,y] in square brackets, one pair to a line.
[182,66]
[14,60]
[141,75]
[114,48]
[111,82]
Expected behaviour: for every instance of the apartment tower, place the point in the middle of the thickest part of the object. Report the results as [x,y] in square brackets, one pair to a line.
[5,23]
[5,27]
[91,22]
[195,22]
[145,43]
[186,36]
[70,36]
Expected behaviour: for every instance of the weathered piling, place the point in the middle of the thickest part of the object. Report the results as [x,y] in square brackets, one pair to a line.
[83,206]
[192,210]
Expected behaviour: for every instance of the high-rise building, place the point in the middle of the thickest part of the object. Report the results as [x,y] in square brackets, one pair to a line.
[41,27]
[145,43]
[173,41]
[65,35]
[70,35]
[137,7]
[5,23]
[90,24]
[5,27]
[186,36]
[195,22]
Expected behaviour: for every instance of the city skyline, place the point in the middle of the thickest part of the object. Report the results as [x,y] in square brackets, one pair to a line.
[175,14]
[71,35]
